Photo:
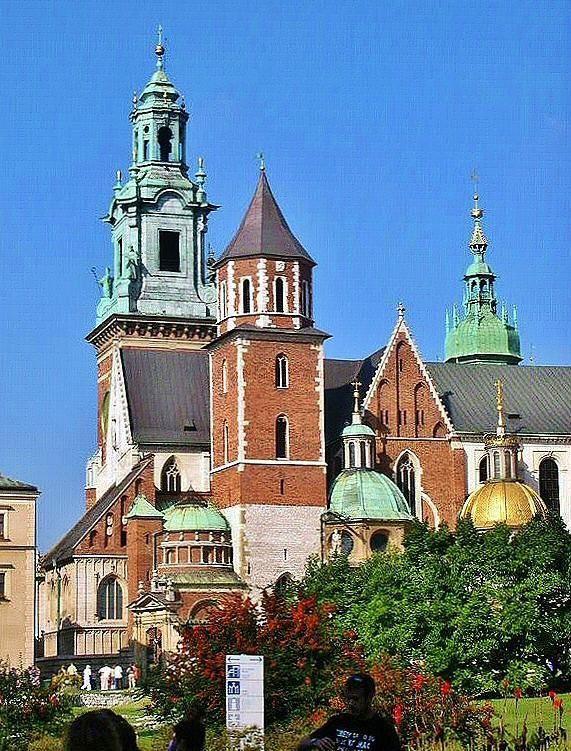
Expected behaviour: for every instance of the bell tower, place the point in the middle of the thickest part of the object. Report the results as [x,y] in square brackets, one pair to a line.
[159,216]
[266,370]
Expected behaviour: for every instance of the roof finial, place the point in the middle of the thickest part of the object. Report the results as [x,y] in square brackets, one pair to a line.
[401,311]
[260,156]
[356,398]
[159,49]
[478,241]
[501,428]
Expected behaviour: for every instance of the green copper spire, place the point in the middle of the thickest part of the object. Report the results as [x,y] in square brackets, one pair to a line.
[159,216]
[481,335]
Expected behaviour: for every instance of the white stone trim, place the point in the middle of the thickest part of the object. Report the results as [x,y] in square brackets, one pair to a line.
[269,462]
[241,349]
[296,287]
[263,292]
[231,289]
[430,503]
[320,389]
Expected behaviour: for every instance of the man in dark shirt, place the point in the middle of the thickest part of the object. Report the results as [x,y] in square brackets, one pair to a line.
[357,729]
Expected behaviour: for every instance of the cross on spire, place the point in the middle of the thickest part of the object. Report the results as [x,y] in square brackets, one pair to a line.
[260,156]
[356,396]
[159,48]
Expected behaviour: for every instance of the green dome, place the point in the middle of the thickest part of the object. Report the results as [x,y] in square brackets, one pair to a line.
[483,337]
[191,517]
[478,268]
[366,494]
[358,430]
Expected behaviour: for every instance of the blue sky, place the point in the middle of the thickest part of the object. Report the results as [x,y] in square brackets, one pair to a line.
[372,117]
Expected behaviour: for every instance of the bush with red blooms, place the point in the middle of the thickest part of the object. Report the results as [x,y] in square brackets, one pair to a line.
[26,709]
[306,663]
[303,655]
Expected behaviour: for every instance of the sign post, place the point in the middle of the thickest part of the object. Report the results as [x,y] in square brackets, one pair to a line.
[245,695]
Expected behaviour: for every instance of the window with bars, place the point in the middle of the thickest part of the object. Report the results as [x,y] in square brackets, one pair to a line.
[406,481]
[549,484]
[110,600]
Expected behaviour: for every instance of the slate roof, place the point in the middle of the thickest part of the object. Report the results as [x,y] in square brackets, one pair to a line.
[339,375]
[540,395]
[264,230]
[168,396]
[7,483]
[63,550]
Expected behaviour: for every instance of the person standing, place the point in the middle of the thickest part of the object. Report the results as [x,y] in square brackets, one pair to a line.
[118,677]
[131,682]
[358,727]
[86,685]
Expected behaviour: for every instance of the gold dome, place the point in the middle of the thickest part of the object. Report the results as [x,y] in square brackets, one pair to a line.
[503,502]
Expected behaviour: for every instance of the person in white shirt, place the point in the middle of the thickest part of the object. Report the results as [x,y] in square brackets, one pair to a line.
[86,678]
[118,677]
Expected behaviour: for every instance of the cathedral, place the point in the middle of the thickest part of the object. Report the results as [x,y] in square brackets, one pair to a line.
[230,449]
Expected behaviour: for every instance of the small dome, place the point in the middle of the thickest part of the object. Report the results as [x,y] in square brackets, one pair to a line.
[358,430]
[478,268]
[484,337]
[503,502]
[192,517]
[366,494]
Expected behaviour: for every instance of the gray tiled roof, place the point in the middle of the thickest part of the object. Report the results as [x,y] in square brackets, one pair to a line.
[63,550]
[339,375]
[539,395]
[168,396]
[6,483]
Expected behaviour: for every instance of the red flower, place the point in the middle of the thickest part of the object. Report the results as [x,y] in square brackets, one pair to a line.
[418,682]
[397,715]
[518,693]
[446,688]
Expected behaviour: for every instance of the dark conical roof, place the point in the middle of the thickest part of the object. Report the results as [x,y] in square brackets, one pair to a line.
[264,230]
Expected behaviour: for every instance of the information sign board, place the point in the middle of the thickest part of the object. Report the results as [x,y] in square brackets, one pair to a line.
[244,691]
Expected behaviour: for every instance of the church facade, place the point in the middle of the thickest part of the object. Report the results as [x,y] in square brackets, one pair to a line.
[224,459]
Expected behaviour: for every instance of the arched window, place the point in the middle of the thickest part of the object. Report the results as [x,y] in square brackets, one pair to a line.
[165,146]
[352,458]
[224,377]
[246,296]
[283,584]
[549,484]
[282,375]
[282,439]
[225,441]
[483,469]
[406,481]
[496,464]
[363,454]
[110,600]
[439,431]
[508,461]
[222,300]
[279,294]
[170,477]
[379,542]
[104,418]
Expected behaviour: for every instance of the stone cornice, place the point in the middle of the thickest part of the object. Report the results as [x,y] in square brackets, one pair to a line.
[151,327]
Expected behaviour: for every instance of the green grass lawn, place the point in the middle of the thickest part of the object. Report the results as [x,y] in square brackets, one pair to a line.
[535,712]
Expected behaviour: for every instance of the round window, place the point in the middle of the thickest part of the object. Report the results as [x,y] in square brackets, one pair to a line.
[379,542]
[347,543]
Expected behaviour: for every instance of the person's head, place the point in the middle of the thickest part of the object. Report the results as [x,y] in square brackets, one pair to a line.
[127,736]
[93,731]
[194,711]
[190,735]
[358,692]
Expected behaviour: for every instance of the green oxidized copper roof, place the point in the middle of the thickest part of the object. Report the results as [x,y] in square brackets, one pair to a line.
[141,508]
[357,430]
[484,337]
[366,494]
[191,517]
[478,268]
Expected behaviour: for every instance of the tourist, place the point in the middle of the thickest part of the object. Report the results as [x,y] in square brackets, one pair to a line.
[105,677]
[86,685]
[93,731]
[358,727]
[131,680]
[189,733]
[72,670]
[117,676]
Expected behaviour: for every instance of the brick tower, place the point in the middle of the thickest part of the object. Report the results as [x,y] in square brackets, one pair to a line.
[266,368]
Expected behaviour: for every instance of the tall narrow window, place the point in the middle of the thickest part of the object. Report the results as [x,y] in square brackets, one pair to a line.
[170,477]
[169,252]
[496,464]
[246,296]
[483,469]
[549,484]
[363,454]
[224,377]
[110,599]
[2,526]
[305,299]
[222,302]
[279,295]
[225,440]
[2,585]
[165,145]
[352,458]
[145,150]
[120,255]
[282,375]
[508,461]
[282,437]
[407,482]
